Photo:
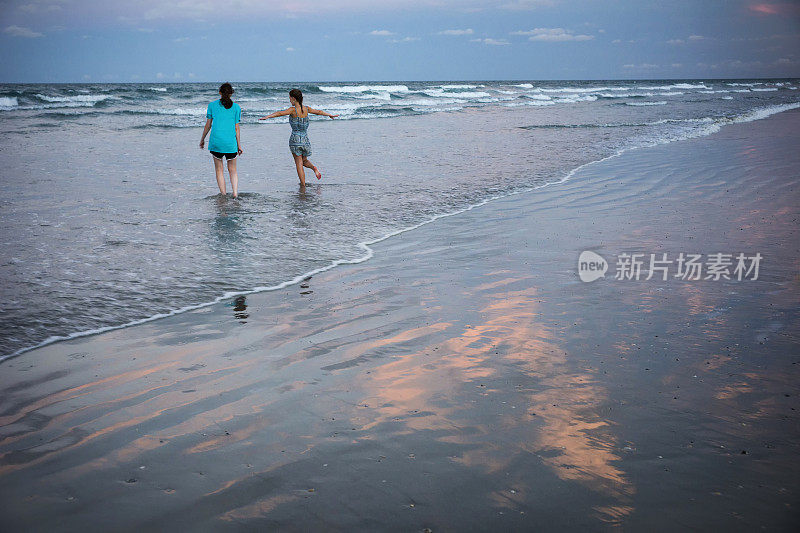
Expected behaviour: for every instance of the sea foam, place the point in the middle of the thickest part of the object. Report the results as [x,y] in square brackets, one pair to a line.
[8,102]
[364,88]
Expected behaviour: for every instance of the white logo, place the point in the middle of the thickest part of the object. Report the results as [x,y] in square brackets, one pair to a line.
[591,266]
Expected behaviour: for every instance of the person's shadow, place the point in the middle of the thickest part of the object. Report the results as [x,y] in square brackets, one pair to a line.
[227,237]
[227,228]
[240,309]
[303,204]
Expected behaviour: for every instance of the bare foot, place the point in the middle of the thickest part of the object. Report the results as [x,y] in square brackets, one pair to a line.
[317,173]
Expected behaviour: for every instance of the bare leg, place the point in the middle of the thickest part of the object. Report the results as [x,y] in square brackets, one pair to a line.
[234,177]
[220,176]
[309,164]
[298,162]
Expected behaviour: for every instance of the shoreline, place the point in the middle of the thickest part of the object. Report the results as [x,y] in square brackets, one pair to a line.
[753,115]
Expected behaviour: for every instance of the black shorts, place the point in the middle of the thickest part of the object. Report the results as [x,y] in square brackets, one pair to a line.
[219,155]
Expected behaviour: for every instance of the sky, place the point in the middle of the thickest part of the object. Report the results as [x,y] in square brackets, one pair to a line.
[387,40]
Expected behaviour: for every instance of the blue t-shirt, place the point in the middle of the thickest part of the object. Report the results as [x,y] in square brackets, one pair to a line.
[223,127]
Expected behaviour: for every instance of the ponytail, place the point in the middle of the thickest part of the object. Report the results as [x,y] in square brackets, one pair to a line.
[297,94]
[225,92]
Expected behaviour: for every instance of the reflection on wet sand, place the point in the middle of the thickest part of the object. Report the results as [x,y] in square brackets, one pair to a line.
[446,386]
[555,418]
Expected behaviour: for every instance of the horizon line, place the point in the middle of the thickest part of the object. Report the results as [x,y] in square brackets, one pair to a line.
[85,82]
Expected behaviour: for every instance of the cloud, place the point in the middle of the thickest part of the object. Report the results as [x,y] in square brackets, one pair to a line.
[289,49]
[492,42]
[526,5]
[209,10]
[39,7]
[404,40]
[640,66]
[552,35]
[689,39]
[19,31]
[765,9]
[776,36]
[381,33]
[737,64]
[180,39]
[468,31]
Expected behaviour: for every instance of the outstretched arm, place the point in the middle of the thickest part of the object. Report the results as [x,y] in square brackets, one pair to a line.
[287,111]
[318,112]
[205,132]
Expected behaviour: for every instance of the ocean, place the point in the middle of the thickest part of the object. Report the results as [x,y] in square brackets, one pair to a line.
[111,217]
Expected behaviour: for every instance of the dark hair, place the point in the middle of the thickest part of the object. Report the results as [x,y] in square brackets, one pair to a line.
[297,94]
[226,90]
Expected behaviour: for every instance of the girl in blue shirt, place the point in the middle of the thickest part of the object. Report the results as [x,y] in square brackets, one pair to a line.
[222,118]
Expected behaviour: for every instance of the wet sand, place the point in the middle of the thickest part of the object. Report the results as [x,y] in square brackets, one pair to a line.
[463,379]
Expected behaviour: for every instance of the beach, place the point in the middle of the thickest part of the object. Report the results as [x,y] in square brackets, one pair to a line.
[462,378]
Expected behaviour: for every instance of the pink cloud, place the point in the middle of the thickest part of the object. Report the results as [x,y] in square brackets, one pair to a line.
[765,9]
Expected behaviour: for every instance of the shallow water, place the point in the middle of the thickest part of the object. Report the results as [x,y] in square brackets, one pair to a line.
[111,216]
